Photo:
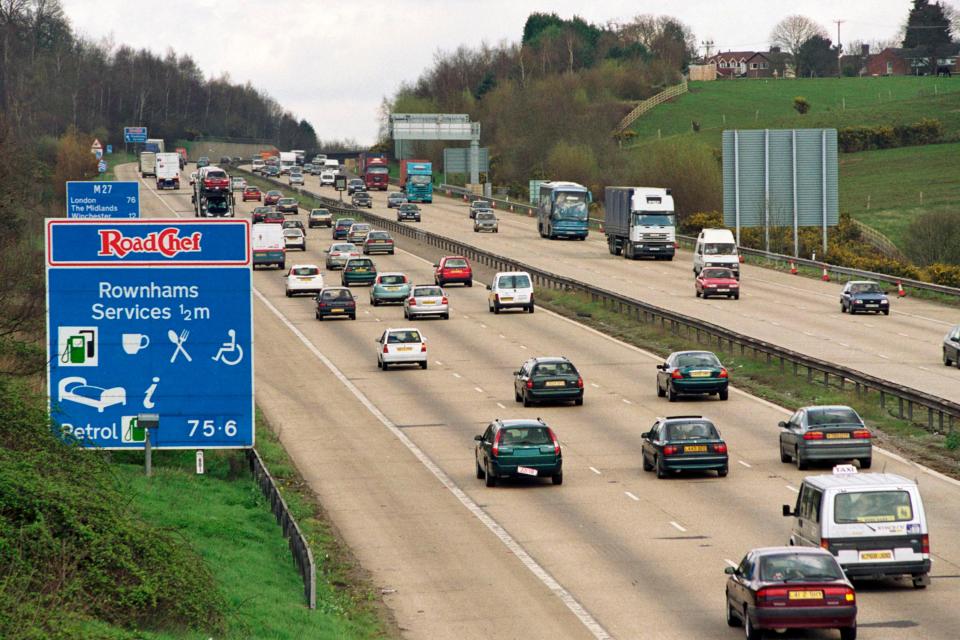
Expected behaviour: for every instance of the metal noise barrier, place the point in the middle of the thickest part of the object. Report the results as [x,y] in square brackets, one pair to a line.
[302,556]
[899,401]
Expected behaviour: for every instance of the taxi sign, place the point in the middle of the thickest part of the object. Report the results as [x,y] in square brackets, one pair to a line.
[842,469]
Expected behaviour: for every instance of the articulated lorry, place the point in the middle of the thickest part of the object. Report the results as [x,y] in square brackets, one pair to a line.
[640,221]
[168,170]
[416,180]
[376,174]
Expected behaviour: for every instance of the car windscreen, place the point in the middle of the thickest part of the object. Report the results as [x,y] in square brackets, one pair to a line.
[653,219]
[554,369]
[717,273]
[697,360]
[872,506]
[337,294]
[426,292]
[393,279]
[397,195]
[455,263]
[274,193]
[304,271]
[693,430]
[403,337]
[533,436]
[790,567]
[486,216]
[866,287]
[826,416]
[719,249]
[217,206]
[521,281]
[319,212]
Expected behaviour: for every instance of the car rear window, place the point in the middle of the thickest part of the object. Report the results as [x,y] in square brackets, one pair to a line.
[216,174]
[427,291]
[393,279]
[292,232]
[832,416]
[872,506]
[518,436]
[797,567]
[287,200]
[360,227]
[305,271]
[378,235]
[344,247]
[403,337]
[455,263]
[693,430]
[362,262]
[554,369]
[345,222]
[697,360]
[337,294]
[514,282]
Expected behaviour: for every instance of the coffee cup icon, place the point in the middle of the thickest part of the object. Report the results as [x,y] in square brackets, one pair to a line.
[134,342]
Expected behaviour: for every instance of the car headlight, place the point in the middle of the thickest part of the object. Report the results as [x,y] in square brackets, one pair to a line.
[884,302]
[858,302]
[734,285]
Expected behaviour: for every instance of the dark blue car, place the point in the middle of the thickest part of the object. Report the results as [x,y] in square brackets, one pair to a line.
[864,295]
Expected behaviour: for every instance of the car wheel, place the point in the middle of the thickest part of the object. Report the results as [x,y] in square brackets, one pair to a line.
[736,296]
[732,619]
[751,633]
[801,463]
[531,308]
[516,396]
[887,312]
[643,462]
[661,472]
[919,582]
[724,394]
[848,633]
[671,394]
[946,359]
[489,307]
[866,463]
[578,402]
[784,456]
[481,474]
[317,315]
[384,366]
[557,478]
[491,480]
[379,364]
[373,302]
[526,401]
[287,292]
[496,307]
[353,316]
[446,316]
[423,365]
[722,473]
[469,283]
[660,392]
[696,293]
[843,308]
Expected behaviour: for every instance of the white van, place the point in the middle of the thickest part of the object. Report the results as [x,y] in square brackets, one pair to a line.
[873,523]
[716,248]
[510,290]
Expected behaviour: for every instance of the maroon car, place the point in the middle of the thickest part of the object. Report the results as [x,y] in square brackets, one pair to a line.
[251,193]
[272,197]
[453,269]
[790,588]
[717,281]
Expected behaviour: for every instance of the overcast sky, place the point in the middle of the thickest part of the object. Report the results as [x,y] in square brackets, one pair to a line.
[332,61]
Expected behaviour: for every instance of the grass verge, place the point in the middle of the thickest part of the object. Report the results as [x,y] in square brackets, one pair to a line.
[768,380]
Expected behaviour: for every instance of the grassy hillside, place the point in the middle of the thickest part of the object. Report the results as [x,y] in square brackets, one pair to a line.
[760,104]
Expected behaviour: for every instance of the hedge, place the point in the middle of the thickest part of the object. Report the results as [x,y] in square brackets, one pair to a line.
[926,131]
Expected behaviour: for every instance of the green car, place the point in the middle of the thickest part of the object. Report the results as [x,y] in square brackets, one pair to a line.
[546,380]
[358,271]
[692,372]
[684,443]
[518,448]
[389,287]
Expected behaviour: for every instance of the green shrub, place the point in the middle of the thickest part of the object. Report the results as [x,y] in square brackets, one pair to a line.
[863,138]
[947,275]
[692,224]
[801,105]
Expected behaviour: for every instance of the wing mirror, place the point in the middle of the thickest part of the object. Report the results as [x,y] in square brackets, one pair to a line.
[730,571]
[787,511]
[489,288]
[955,338]
[782,424]
[645,435]
[661,367]
[478,438]
[516,373]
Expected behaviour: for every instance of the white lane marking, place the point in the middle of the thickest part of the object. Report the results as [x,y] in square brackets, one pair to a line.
[730,562]
[367,312]
[625,401]
[883,356]
[439,364]
[775,323]
[595,385]
[793,488]
[501,406]
[922,368]
[456,375]
[483,326]
[843,344]
[478,389]
[508,541]
[902,335]
[464,315]
[677,526]
[631,496]
[596,471]
[523,346]
[867,324]
[807,333]
[746,464]
[503,336]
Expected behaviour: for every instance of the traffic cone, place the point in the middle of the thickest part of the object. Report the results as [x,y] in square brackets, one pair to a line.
[826,276]
[493,205]
[793,267]
[464,197]
[900,292]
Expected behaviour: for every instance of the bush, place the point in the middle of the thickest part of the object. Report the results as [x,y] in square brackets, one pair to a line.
[865,138]
[801,105]
[946,274]
[691,225]
[934,237]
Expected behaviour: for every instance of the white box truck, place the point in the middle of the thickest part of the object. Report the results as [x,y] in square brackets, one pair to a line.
[640,221]
[168,170]
[269,247]
[148,164]
[287,160]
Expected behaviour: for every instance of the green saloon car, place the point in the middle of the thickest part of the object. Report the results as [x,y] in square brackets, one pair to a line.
[692,372]
[358,271]
[547,380]
[389,287]
[684,443]
[518,448]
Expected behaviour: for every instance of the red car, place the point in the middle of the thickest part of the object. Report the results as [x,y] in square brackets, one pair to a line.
[790,588]
[717,281]
[272,197]
[274,216]
[453,269]
[252,193]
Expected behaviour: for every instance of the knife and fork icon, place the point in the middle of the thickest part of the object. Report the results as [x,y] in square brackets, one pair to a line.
[178,340]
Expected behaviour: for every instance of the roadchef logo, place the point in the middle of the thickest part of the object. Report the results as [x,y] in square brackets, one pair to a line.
[167,243]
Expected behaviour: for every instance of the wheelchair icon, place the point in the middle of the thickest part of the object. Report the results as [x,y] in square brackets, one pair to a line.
[230,352]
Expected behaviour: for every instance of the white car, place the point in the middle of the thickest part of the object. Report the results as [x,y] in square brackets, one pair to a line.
[339,253]
[510,290]
[238,184]
[426,300]
[293,238]
[296,178]
[401,346]
[327,178]
[303,278]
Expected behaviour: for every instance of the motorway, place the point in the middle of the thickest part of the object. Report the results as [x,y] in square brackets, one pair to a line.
[792,312]
[613,552]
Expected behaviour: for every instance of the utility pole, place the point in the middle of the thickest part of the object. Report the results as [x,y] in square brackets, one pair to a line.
[708,47]
[839,48]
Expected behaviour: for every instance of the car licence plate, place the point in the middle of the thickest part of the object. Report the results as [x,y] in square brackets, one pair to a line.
[404,348]
[506,299]
[805,595]
[336,310]
[876,555]
[555,383]
[392,288]
[837,436]
[304,278]
[700,374]
[361,270]
[429,302]
[723,290]
[527,471]
[695,448]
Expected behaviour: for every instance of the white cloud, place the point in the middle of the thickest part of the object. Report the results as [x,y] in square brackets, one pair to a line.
[332,61]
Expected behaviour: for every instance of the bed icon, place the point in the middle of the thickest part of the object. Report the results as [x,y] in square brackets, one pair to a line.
[76,389]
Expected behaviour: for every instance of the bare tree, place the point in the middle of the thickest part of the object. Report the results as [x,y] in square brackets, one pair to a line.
[791,32]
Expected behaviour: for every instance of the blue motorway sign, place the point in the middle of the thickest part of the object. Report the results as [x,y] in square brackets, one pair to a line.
[150,316]
[102,166]
[103,199]
[109,149]
[134,134]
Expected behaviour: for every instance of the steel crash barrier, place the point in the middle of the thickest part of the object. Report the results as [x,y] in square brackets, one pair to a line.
[937,414]
[302,556]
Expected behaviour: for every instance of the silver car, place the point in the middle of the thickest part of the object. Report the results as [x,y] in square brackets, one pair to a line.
[426,300]
[395,199]
[339,253]
[486,220]
[296,179]
[832,434]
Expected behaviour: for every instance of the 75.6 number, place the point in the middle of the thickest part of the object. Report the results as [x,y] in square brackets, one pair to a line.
[209,428]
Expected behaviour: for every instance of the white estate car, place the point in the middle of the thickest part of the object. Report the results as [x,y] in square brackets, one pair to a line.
[510,289]
[293,238]
[327,178]
[401,346]
[426,300]
[303,278]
